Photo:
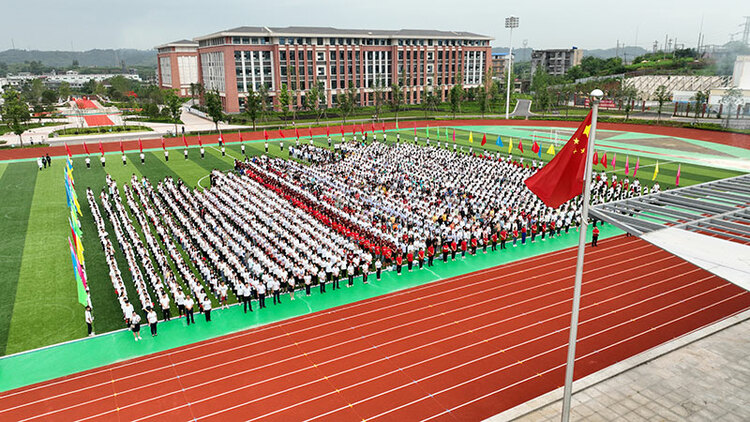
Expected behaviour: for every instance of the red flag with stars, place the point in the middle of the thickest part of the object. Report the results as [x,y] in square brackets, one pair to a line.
[563,177]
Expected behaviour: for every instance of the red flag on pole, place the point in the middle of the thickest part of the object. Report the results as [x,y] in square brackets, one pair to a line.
[484,139]
[281,134]
[614,160]
[101,149]
[562,178]
[265,134]
[535,148]
[296,132]
[184,140]
[415,128]
[140,145]
[199,140]
[604,160]
[122,149]
[68,150]
[627,164]
[454,135]
[362,128]
[309,130]
[637,164]
[677,180]
[596,158]
[85,147]
[384,127]
[520,146]
[328,131]
[163,145]
[373,127]
[342,130]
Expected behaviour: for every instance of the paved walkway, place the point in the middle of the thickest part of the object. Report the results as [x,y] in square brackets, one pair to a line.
[706,380]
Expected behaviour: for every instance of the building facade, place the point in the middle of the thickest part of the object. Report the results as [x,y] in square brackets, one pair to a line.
[499,64]
[236,61]
[177,66]
[555,62]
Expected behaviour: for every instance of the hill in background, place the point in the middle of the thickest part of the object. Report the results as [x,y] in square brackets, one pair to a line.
[524,54]
[90,58]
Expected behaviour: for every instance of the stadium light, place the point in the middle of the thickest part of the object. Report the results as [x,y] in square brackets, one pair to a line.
[510,22]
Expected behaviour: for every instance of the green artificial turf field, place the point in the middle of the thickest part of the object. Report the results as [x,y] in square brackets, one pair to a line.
[39,305]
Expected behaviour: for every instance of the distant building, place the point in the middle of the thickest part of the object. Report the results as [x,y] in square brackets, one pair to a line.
[555,62]
[53,80]
[177,66]
[499,64]
[235,61]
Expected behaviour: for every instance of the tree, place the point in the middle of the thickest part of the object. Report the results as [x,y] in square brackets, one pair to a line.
[431,101]
[49,96]
[173,104]
[661,95]
[284,99]
[314,98]
[347,100]
[64,91]
[213,107]
[252,105]
[15,112]
[732,97]
[397,98]
[378,96]
[456,95]
[700,98]
[263,95]
[539,86]
[628,94]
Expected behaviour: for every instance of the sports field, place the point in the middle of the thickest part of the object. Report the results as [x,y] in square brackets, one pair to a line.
[39,305]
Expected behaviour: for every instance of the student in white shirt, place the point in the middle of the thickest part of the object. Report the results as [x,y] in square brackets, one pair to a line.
[223,294]
[152,320]
[207,308]
[189,313]
[164,301]
[89,320]
[135,326]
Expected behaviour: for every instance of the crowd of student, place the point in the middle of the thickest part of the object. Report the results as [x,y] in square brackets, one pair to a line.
[277,225]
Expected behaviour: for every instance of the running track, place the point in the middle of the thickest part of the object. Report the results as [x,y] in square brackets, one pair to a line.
[463,348]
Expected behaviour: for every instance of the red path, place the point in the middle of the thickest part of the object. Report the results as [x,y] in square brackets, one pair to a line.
[726,138]
[98,120]
[463,348]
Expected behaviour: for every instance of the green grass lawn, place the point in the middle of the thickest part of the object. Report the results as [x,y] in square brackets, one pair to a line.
[39,303]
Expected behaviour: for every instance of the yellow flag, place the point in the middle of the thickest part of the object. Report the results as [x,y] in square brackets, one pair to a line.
[551,150]
[510,145]
[471,137]
[656,171]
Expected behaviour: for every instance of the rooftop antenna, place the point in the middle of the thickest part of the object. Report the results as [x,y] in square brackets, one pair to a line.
[13,43]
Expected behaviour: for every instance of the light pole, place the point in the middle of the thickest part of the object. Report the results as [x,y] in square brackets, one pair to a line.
[510,22]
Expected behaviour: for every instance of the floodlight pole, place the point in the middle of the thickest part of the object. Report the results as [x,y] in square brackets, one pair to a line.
[510,22]
[596,95]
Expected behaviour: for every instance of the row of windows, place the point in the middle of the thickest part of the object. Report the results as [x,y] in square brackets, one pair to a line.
[341,41]
[251,40]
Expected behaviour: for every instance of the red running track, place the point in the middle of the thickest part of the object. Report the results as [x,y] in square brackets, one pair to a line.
[85,104]
[98,120]
[463,348]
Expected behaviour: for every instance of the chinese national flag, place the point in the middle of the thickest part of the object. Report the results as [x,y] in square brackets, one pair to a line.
[563,177]
[520,146]
[535,148]
[484,139]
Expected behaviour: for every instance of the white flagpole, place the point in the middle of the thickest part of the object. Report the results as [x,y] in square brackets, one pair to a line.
[596,95]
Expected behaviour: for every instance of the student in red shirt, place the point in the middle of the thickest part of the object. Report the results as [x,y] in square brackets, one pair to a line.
[399,263]
[454,248]
[594,237]
[494,241]
[523,235]
[446,250]
[430,255]
[515,237]
[463,248]
[474,244]
[533,232]
[485,241]
[410,260]
[420,258]
[503,238]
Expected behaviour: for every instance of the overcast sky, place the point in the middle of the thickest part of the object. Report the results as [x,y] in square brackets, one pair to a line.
[87,24]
